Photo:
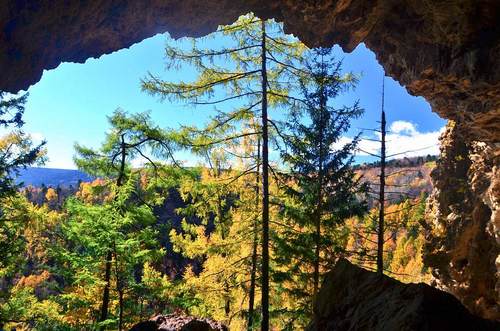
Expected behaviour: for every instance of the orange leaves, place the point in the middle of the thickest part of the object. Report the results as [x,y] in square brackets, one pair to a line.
[94,192]
[33,281]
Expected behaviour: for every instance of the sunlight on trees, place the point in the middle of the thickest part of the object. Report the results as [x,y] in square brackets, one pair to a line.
[244,237]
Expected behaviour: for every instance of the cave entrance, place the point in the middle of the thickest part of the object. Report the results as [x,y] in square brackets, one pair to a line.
[442,52]
[93,90]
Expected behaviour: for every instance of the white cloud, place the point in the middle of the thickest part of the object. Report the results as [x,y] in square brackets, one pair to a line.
[403,139]
[341,143]
[402,127]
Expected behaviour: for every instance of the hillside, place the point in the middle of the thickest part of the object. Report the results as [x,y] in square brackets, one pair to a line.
[402,181]
[177,222]
[410,175]
[36,176]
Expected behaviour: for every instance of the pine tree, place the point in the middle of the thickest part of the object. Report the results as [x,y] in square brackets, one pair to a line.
[253,73]
[321,188]
[131,137]
[93,230]
[17,150]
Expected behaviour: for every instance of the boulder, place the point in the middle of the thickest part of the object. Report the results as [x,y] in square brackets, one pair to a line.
[352,298]
[174,322]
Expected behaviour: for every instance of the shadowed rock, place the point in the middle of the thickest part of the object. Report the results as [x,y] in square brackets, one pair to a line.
[352,298]
[462,222]
[178,323]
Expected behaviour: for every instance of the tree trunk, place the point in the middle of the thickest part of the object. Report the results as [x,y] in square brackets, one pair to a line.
[317,238]
[105,294]
[251,300]
[318,213]
[265,190]
[121,174]
[109,256]
[380,243]
[119,289]
[227,305]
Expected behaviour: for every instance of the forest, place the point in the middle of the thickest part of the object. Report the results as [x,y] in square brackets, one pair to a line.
[243,237]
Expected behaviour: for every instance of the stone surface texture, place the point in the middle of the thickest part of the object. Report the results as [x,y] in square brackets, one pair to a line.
[175,322]
[352,299]
[462,223]
[446,51]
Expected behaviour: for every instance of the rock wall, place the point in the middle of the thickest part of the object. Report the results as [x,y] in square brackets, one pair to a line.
[352,299]
[462,223]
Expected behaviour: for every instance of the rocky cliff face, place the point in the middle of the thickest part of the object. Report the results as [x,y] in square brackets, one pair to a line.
[462,223]
[352,298]
[446,51]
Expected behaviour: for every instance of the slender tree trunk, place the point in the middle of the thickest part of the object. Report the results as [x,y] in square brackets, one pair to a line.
[119,289]
[253,273]
[123,153]
[317,237]
[380,243]
[227,290]
[109,255]
[105,293]
[317,234]
[227,305]
[316,256]
[265,190]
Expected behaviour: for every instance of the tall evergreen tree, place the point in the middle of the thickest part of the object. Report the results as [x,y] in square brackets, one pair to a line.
[119,232]
[322,190]
[130,138]
[17,150]
[253,73]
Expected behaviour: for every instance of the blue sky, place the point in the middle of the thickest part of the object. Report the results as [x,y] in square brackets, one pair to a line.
[71,102]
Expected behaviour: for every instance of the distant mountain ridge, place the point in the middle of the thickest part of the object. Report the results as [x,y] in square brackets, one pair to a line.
[417,175]
[37,176]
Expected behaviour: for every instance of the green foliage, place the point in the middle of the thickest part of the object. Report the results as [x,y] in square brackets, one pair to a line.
[24,309]
[99,260]
[92,230]
[233,75]
[119,231]
[404,240]
[17,149]
[135,134]
[321,190]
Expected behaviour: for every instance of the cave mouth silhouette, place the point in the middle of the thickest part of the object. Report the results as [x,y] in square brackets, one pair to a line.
[446,52]
[440,51]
